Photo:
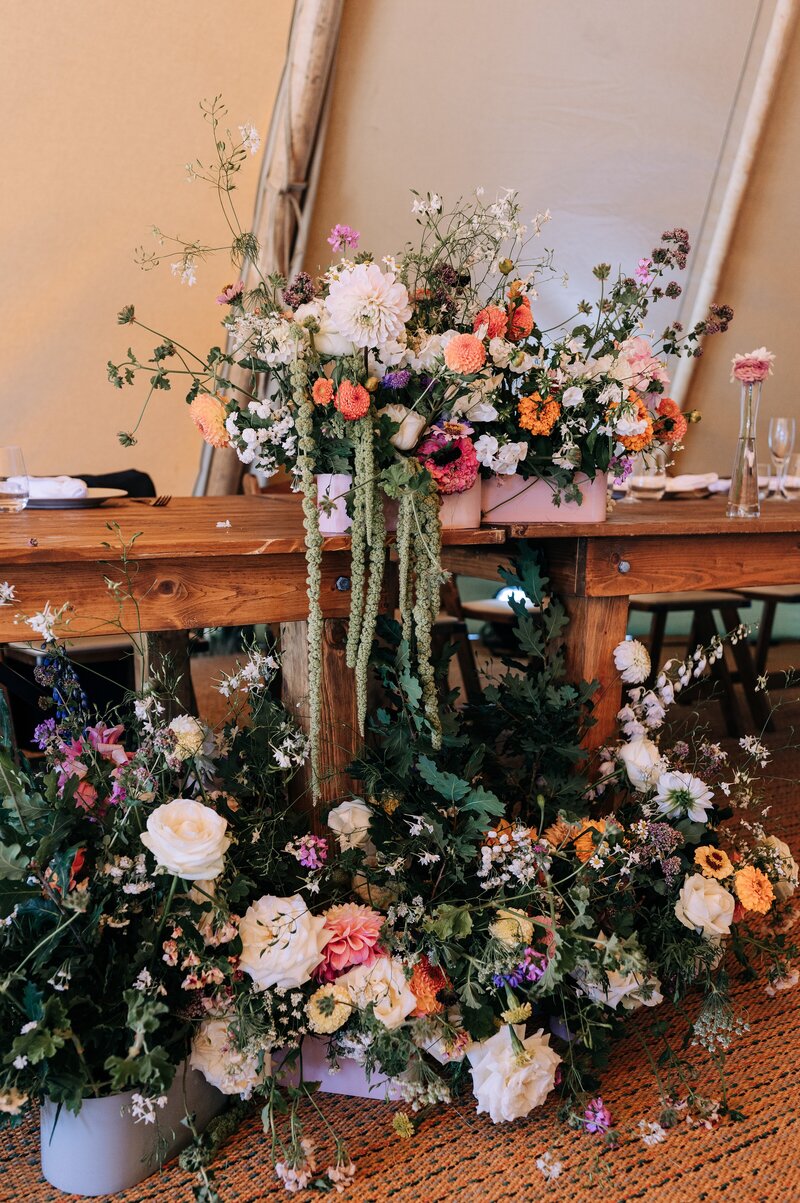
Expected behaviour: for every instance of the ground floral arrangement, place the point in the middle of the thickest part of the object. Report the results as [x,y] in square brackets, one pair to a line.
[480,921]
[405,376]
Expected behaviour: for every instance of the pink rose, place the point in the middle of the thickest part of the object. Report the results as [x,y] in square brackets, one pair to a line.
[753,367]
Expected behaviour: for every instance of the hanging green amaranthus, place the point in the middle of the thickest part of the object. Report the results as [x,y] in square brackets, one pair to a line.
[428,578]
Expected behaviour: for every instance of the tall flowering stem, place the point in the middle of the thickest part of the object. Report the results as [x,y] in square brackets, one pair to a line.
[428,581]
[377,558]
[306,447]
[358,540]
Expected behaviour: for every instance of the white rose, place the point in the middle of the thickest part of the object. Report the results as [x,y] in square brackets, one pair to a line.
[642,762]
[788,866]
[509,1082]
[572,396]
[706,906]
[189,735]
[410,422]
[350,822]
[384,984]
[215,1054]
[187,838]
[282,942]
[327,339]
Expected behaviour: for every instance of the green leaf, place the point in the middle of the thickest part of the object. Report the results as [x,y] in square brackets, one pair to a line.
[13,862]
[12,893]
[450,922]
[450,787]
[483,802]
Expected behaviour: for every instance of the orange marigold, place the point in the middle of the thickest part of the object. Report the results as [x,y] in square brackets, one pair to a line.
[754,889]
[322,392]
[584,844]
[520,319]
[465,354]
[208,413]
[426,982]
[560,832]
[494,319]
[352,400]
[636,442]
[538,415]
[712,862]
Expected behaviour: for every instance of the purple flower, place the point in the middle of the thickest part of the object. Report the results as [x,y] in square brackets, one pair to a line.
[671,868]
[597,1117]
[643,273]
[620,467]
[342,236]
[310,850]
[396,379]
[300,291]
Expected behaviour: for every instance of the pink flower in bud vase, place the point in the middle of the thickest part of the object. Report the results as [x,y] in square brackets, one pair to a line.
[753,367]
[343,236]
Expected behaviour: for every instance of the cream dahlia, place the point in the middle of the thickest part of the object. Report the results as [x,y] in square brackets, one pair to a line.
[367,306]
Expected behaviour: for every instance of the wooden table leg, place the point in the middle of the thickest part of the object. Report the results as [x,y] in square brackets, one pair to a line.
[339,738]
[597,625]
[167,656]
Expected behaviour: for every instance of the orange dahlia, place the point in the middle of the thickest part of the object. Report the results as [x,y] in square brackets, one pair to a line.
[426,983]
[322,392]
[465,354]
[636,442]
[712,862]
[585,844]
[560,832]
[538,415]
[352,400]
[208,413]
[520,319]
[754,889]
[494,319]
[671,425]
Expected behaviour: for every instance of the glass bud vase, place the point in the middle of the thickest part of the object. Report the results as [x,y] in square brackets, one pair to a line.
[743,497]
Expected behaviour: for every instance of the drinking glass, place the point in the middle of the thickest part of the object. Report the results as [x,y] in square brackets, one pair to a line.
[13,481]
[764,480]
[781,443]
[791,479]
[648,480]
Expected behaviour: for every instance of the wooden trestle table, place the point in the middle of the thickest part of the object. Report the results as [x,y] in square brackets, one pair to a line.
[225,561]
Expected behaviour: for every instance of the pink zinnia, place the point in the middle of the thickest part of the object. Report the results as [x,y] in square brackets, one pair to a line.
[453,463]
[465,354]
[753,367]
[343,236]
[354,933]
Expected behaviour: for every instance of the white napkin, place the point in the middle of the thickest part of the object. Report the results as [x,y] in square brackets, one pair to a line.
[720,486]
[689,483]
[46,487]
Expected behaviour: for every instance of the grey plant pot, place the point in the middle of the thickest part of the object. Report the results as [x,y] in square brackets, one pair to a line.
[101,1150]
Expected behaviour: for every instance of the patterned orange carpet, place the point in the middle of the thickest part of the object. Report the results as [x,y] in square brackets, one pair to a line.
[457,1155]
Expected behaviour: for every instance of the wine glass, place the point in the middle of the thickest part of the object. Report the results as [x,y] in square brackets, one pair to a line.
[781,442]
[764,479]
[791,479]
[13,481]
[648,479]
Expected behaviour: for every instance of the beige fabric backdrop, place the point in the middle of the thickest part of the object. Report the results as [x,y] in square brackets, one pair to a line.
[100,105]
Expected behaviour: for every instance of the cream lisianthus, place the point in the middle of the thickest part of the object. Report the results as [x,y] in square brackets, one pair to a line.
[189,736]
[350,822]
[215,1054]
[282,942]
[327,339]
[367,306]
[632,660]
[642,761]
[510,1074]
[187,838]
[384,985]
[410,422]
[706,906]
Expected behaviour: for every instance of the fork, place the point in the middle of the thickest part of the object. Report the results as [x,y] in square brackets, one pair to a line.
[157,502]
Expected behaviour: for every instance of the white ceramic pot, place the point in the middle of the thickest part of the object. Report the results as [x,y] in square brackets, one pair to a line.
[461,511]
[102,1150]
[332,486]
[512,499]
[350,1078]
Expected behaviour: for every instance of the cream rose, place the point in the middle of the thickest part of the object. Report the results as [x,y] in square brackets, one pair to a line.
[282,941]
[189,736]
[642,761]
[782,853]
[509,1081]
[350,822]
[187,838]
[327,340]
[706,906]
[410,422]
[384,984]
[215,1054]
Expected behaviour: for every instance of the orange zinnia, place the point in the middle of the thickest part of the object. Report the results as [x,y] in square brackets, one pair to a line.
[584,844]
[754,889]
[538,415]
[322,392]
[426,982]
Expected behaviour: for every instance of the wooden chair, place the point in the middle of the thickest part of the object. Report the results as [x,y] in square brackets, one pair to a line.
[771,596]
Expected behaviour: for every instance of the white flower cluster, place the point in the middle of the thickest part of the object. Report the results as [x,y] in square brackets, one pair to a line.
[257,431]
[511,857]
[143,1107]
[256,673]
[293,746]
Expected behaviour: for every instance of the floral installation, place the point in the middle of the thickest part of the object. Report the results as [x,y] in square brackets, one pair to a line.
[479,922]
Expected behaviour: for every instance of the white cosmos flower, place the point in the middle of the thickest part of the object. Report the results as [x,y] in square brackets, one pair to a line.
[509,1081]
[633,661]
[368,306]
[680,794]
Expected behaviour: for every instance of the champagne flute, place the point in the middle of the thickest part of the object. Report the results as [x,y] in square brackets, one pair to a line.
[781,442]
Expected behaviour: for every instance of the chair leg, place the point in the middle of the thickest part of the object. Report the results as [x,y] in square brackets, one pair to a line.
[658,627]
[757,700]
[706,630]
[469,669]
[765,636]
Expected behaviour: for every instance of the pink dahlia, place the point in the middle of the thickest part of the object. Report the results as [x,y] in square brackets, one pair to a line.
[494,319]
[353,940]
[208,414]
[453,463]
[754,367]
[465,354]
